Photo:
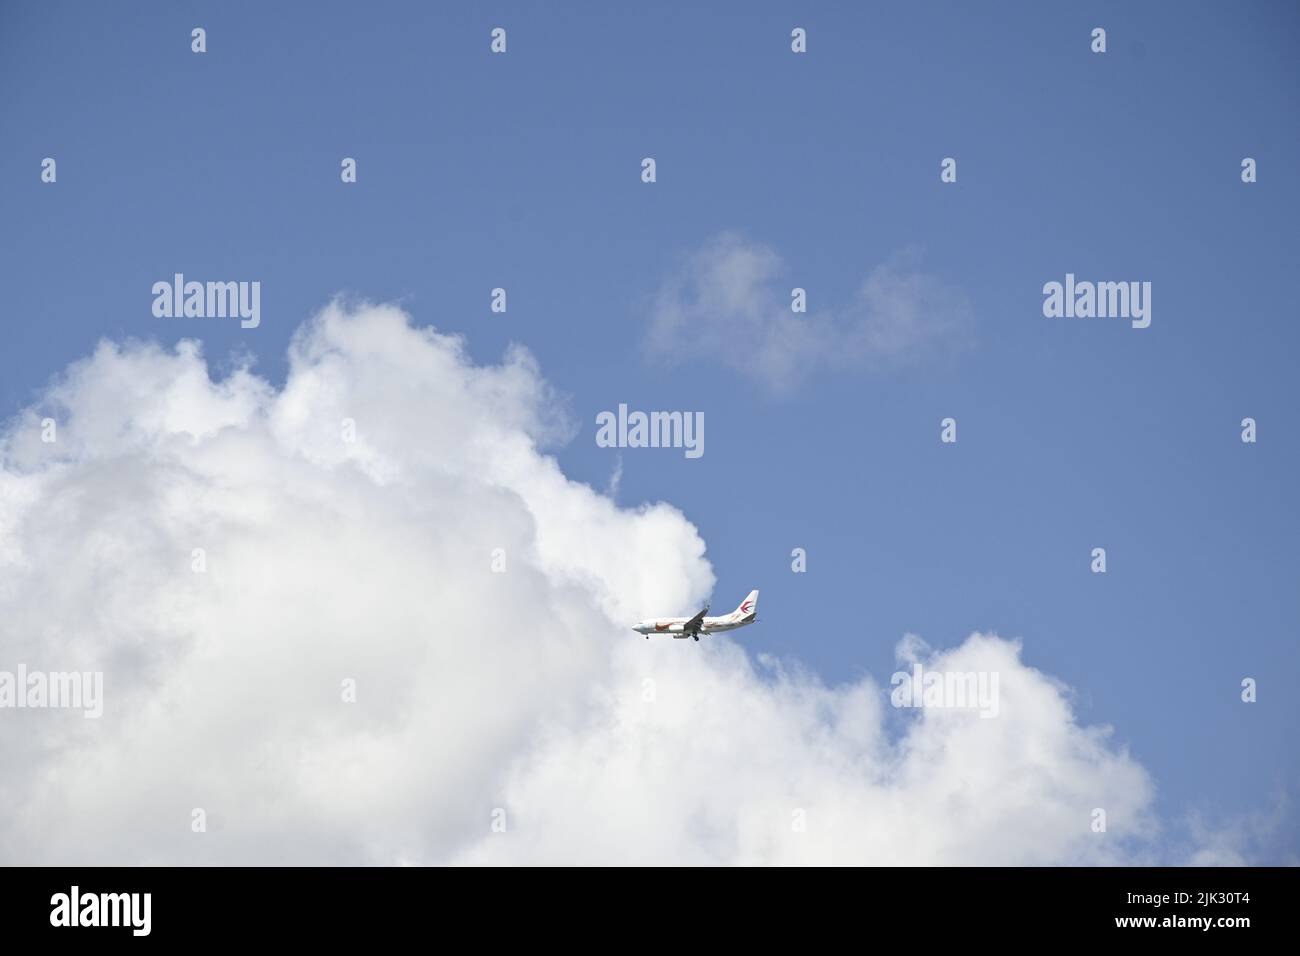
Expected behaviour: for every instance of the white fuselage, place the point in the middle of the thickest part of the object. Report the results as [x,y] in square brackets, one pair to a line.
[676,626]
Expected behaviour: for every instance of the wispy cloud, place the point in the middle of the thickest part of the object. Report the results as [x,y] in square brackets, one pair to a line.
[726,304]
[615,480]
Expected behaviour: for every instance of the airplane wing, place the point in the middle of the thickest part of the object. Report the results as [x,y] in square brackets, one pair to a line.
[695,623]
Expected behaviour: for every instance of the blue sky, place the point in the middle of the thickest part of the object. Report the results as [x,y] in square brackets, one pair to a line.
[523,171]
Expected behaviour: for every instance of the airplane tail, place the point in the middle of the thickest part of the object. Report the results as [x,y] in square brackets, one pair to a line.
[748,607]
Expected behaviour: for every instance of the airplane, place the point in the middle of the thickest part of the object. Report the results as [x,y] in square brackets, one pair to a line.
[683,627]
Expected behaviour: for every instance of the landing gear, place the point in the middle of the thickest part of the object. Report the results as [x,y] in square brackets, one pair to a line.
[696,636]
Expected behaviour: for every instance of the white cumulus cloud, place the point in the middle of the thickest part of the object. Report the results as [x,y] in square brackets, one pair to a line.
[480,601]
